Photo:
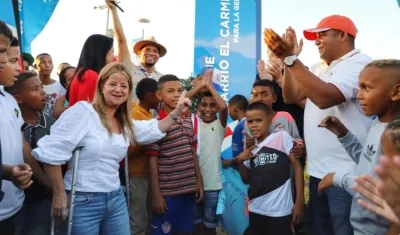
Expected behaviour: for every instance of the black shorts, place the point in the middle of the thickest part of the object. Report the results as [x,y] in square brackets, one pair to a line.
[265,225]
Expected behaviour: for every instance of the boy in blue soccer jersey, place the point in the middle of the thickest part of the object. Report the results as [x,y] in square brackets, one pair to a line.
[237,111]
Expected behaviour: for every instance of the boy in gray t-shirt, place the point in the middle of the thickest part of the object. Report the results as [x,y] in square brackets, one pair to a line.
[378,82]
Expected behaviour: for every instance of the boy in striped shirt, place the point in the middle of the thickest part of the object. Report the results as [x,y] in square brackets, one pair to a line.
[175,176]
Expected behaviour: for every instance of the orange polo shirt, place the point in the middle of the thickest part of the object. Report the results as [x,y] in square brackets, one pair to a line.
[139,163]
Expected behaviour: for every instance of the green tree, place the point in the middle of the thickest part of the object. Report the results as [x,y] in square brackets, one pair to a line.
[187,85]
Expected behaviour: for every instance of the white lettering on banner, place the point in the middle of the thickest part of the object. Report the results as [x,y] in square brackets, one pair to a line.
[224,47]
[236,19]
[224,15]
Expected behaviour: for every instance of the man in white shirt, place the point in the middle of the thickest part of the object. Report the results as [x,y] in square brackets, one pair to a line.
[52,87]
[148,50]
[330,87]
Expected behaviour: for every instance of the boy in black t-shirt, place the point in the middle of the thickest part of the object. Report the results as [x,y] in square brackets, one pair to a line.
[34,216]
[266,168]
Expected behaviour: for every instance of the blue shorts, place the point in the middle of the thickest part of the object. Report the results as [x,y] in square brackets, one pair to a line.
[178,217]
[206,210]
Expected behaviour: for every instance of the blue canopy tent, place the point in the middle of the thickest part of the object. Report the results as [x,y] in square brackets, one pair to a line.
[27,18]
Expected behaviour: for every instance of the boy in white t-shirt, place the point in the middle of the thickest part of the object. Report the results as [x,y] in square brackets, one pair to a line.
[211,134]
[266,168]
[15,174]
[53,88]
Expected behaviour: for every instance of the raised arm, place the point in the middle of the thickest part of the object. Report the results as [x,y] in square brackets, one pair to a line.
[223,108]
[150,131]
[122,43]
[291,92]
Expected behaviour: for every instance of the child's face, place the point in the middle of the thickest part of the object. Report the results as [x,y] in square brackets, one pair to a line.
[208,109]
[258,123]
[169,93]
[232,110]
[4,45]
[374,94]
[62,66]
[11,68]
[69,75]
[32,94]
[153,100]
[263,94]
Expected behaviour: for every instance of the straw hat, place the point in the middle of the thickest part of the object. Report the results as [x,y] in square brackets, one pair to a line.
[149,41]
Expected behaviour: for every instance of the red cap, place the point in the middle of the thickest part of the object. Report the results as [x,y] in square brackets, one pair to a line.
[332,22]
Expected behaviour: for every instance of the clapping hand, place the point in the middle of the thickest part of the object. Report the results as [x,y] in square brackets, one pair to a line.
[388,171]
[367,186]
[262,71]
[284,46]
[275,69]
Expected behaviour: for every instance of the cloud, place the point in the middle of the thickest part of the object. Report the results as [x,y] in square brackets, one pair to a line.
[246,46]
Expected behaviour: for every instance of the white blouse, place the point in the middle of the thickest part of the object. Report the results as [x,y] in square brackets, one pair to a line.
[80,126]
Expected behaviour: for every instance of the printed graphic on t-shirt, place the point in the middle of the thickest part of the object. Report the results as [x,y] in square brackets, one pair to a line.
[279,127]
[265,158]
[51,102]
[52,91]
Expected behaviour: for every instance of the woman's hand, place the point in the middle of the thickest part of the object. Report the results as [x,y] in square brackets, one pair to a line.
[59,205]
[182,106]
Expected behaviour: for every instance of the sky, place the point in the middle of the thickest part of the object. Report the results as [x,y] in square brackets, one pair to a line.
[172,24]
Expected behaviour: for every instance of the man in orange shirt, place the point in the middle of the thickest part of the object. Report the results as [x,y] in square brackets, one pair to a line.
[140,204]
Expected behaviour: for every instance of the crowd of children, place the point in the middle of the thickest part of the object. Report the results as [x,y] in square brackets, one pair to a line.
[174,158]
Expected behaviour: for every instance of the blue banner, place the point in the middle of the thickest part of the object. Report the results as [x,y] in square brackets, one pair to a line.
[34,15]
[228,38]
[7,15]
[232,202]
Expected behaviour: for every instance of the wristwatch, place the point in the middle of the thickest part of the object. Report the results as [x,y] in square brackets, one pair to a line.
[289,61]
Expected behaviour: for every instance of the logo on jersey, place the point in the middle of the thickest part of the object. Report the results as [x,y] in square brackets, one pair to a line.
[265,158]
[166,227]
[16,113]
[369,153]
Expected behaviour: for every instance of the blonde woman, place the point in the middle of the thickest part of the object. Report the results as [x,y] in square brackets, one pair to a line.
[104,128]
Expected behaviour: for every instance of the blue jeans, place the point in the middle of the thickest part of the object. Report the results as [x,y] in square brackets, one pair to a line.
[206,210]
[34,218]
[100,213]
[329,213]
